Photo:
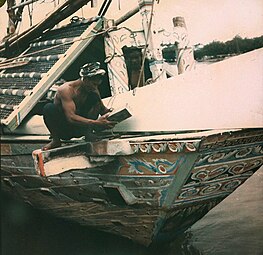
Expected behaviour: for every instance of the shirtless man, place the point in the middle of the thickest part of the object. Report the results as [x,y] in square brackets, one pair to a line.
[77,105]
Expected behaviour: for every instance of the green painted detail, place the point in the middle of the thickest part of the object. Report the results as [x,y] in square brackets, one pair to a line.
[173,191]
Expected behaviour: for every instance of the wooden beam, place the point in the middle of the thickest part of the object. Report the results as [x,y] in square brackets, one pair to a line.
[127,16]
[61,12]
[21,5]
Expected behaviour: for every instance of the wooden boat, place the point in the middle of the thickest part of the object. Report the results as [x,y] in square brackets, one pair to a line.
[191,141]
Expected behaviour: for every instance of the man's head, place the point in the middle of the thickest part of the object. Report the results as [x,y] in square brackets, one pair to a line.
[92,72]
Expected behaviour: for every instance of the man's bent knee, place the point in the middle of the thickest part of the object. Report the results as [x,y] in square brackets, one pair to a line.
[49,109]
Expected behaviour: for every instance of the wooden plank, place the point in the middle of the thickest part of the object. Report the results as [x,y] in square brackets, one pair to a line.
[12,64]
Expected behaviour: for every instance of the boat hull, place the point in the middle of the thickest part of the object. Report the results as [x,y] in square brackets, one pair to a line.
[151,193]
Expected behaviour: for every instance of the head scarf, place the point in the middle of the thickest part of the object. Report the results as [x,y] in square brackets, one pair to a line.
[91,69]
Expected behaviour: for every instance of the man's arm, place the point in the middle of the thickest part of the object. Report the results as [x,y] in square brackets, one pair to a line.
[104,109]
[69,108]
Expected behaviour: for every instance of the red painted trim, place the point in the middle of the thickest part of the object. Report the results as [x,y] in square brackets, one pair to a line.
[41,164]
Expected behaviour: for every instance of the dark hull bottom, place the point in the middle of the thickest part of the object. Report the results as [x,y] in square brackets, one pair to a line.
[137,224]
[127,222]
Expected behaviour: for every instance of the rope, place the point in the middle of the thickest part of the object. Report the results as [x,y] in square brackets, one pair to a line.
[113,52]
[30,13]
[154,80]
[145,47]
[111,101]
[114,47]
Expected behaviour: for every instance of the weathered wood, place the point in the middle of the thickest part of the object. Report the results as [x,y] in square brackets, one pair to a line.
[171,193]
[12,64]
[15,118]
[60,13]
[21,5]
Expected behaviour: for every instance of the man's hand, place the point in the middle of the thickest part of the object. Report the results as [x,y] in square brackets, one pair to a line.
[103,123]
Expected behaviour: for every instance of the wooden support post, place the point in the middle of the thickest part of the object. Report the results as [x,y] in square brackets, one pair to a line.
[184,52]
[154,50]
[117,71]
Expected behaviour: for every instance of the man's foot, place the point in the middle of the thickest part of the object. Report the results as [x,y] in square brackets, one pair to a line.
[52,145]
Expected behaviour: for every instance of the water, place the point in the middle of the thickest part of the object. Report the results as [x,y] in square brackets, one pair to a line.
[233,227]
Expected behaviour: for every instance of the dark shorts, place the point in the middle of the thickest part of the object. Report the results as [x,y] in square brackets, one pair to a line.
[58,124]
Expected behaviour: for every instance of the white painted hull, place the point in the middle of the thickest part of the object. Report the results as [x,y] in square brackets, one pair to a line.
[224,95]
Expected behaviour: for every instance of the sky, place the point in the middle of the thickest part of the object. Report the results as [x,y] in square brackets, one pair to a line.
[206,20]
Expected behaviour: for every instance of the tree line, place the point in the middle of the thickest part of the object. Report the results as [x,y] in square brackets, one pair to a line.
[237,45]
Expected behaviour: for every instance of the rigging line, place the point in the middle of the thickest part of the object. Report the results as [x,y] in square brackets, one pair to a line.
[82,12]
[30,20]
[113,52]
[30,13]
[102,7]
[154,80]
[111,101]
[132,34]
[18,29]
[113,43]
[106,8]
[145,47]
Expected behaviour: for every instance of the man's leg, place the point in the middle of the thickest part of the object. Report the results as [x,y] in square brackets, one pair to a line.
[52,119]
